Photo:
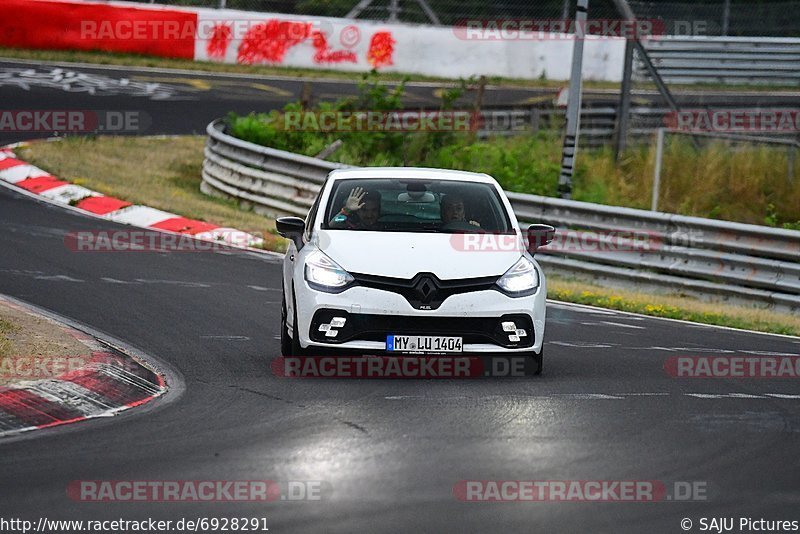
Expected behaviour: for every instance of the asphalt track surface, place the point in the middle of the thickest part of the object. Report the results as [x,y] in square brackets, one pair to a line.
[184,102]
[390,451]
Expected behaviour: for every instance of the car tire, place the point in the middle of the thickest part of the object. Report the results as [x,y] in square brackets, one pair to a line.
[286,340]
[538,360]
[296,349]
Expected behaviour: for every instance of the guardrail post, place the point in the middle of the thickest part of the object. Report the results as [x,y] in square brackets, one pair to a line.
[657,169]
[535,117]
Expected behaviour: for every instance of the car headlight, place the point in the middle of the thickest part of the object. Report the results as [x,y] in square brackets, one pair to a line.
[325,274]
[521,279]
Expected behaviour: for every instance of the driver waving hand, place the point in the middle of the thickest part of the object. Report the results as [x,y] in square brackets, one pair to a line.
[361,211]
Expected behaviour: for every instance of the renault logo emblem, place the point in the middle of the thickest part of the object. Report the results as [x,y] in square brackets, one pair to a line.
[425,289]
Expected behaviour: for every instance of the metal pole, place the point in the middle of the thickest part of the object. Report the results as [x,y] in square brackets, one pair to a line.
[221,4]
[394,10]
[726,17]
[623,110]
[565,10]
[627,13]
[357,9]
[657,170]
[428,11]
[573,104]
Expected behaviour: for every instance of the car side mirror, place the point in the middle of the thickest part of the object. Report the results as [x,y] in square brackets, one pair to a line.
[539,235]
[291,228]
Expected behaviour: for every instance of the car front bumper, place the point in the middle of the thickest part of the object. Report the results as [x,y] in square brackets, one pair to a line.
[371,314]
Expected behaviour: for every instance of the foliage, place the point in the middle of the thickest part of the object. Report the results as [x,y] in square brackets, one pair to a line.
[739,183]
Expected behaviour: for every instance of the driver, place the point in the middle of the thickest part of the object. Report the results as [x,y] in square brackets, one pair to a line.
[453,210]
[364,205]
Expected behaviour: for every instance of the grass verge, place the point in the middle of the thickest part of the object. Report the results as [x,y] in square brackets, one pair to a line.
[32,346]
[672,307]
[162,173]
[7,330]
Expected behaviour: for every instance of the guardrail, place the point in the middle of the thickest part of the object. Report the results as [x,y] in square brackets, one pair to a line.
[703,257]
[724,60]
[271,181]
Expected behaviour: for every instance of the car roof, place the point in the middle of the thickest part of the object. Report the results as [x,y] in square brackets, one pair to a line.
[366,173]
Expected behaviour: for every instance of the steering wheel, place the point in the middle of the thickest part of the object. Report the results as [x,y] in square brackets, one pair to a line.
[462,225]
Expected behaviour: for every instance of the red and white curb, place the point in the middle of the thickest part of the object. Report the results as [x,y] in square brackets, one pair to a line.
[110,382]
[39,182]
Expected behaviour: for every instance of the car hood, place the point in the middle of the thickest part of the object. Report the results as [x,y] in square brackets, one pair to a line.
[403,254]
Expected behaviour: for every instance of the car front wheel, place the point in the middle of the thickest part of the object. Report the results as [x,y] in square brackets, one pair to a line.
[286,340]
[293,344]
[535,369]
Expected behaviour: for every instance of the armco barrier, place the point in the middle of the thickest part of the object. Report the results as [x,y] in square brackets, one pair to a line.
[704,257]
[731,60]
[290,40]
[233,36]
[272,181]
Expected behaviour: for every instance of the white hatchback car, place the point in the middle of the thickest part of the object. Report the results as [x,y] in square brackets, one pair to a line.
[410,261]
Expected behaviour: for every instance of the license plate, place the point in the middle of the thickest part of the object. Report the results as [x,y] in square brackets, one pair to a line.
[423,344]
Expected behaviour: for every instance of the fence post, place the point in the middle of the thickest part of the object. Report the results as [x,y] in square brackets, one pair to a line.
[657,169]
[305,96]
[726,17]
[623,109]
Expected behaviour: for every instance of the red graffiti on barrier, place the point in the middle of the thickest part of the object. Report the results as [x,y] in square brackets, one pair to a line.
[269,42]
[324,54]
[221,36]
[381,50]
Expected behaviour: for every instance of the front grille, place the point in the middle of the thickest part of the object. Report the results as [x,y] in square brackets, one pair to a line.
[425,291]
[473,330]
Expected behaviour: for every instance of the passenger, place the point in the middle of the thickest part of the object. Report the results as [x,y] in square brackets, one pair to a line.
[361,211]
[453,210]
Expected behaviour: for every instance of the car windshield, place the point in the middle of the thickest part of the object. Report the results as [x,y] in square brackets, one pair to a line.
[415,205]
